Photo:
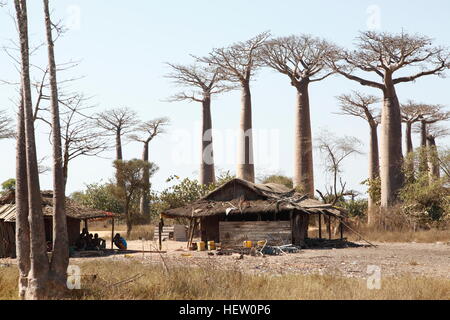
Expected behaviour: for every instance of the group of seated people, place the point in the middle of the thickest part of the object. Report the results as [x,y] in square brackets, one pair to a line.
[87,241]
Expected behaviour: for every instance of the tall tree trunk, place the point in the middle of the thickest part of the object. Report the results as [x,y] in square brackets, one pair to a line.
[409,152]
[409,143]
[207,175]
[60,255]
[119,155]
[391,146]
[303,152]
[434,171]
[65,166]
[22,225]
[246,167]
[423,153]
[38,276]
[374,169]
[143,205]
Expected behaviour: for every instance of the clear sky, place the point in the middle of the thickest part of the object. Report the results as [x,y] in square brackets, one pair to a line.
[123,46]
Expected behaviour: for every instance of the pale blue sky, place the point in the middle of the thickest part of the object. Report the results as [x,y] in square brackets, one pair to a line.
[123,46]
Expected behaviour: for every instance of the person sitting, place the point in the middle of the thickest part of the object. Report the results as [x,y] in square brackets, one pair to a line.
[120,242]
[99,243]
[80,244]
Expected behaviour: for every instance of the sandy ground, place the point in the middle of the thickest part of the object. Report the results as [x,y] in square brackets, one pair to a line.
[394,259]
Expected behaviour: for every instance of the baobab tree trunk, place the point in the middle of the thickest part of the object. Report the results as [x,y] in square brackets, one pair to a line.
[22,225]
[60,255]
[391,146]
[303,152]
[144,201]
[374,170]
[207,174]
[423,153]
[39,266]
[409,150]
[433,159]
[246,167]
[409,143]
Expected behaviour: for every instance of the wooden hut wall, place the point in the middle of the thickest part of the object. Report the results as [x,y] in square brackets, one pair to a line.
[233,233]
[7,240]
[73,230]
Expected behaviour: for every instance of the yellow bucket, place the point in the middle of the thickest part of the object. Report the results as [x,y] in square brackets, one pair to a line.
[248,244]
[201,246]
[211,245]
[261,243]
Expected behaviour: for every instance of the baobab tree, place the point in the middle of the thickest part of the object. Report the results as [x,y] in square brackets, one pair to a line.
[147,131]
[360,105]
[60,256]
[303,59]
[204,82]
[434,132]
[384,55]
[33,261]
[117,123]
[238,64]
[411,113]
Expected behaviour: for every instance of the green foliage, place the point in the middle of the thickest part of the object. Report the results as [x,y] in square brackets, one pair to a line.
[374,189]
[355,208]
[100,197]
[426,200]
[279,179]
[9,185]
[184,192]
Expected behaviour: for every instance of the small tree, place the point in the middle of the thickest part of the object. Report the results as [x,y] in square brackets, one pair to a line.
[130,174]
[335,151]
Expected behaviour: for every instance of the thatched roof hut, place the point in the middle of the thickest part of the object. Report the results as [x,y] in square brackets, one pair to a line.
[239,202]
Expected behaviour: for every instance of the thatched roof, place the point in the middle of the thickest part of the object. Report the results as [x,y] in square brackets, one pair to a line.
[266,198]
[73,209]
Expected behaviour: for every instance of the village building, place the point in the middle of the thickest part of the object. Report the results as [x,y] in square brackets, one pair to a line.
[75,213]
[240,210]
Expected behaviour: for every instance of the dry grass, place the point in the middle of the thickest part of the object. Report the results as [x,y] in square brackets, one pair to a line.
[211,284]
[424,236]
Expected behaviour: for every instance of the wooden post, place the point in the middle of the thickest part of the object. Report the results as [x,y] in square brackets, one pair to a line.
[341,227]
[320,225]
[112,235]
[86,225]
[329,227]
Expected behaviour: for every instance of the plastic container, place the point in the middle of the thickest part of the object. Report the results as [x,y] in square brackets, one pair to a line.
[248,244]
[201,246]
[211,245]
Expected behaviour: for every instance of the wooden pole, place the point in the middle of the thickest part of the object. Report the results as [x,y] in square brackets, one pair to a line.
[112,235]
[320,225]
[341,227]
[329,227]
